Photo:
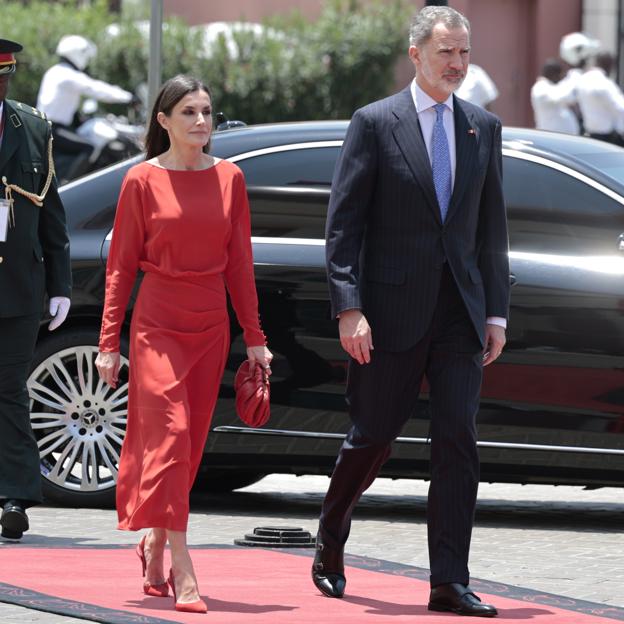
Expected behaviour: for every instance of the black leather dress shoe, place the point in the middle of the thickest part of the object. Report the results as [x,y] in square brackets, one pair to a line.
[459,599]
[328,569]
[13,520]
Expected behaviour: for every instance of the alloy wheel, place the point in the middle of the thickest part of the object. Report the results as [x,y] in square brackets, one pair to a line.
[79,422]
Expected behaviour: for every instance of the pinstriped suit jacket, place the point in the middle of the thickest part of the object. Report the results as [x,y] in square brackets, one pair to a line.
[385,241]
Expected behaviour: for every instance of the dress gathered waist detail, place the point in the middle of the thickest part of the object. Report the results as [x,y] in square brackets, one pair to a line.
[195,277]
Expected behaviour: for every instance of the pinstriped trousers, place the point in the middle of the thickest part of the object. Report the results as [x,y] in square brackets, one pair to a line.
[381,397]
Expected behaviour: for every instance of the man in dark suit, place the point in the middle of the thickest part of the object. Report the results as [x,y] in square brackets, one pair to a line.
[417,266]
[34,259]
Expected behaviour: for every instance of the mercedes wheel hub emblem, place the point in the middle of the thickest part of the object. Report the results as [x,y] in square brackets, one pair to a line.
[89,418]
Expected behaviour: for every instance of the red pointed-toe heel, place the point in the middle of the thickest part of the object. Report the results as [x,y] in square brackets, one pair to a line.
[160,590]
[199,606]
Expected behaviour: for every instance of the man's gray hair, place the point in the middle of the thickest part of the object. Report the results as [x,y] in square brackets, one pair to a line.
[424,21]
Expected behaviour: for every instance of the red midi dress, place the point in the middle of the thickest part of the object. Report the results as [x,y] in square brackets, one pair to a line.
[189,232]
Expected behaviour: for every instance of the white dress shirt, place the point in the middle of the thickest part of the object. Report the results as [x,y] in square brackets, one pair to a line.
[551,106]
[601,102]
[427,116]
[477,88]
[63,86]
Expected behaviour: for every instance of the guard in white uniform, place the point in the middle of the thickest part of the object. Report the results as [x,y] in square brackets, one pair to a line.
[60,93]
[569,84]
[602,101]
[477,88]
[551,100]
[576,49]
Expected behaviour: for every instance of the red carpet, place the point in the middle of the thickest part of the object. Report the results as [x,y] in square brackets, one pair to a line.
[250,586]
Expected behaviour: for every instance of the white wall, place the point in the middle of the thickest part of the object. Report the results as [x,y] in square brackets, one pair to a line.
[600,19]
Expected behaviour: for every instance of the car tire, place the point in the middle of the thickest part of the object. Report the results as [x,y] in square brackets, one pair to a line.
[78,421]
[218,481]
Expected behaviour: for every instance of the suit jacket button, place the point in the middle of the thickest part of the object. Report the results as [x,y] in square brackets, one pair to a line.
[1,259]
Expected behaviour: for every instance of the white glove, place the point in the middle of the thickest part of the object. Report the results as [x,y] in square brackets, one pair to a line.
[59,307]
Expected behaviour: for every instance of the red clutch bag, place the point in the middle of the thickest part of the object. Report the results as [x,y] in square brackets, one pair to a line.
[252,395]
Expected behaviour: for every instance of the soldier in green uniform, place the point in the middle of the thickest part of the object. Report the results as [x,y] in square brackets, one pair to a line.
[34,260]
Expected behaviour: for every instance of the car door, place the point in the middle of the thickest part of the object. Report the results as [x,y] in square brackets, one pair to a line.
[288,188]
[553,405]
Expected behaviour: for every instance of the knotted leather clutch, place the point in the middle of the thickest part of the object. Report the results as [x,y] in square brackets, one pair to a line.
[252,394]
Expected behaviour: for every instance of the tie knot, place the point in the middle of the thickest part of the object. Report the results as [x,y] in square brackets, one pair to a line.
[439,109]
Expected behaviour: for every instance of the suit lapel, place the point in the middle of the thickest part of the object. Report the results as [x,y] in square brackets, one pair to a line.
[466,152]
[408,136]
[10,139]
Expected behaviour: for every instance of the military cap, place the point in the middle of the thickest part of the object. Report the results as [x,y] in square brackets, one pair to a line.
[7,55]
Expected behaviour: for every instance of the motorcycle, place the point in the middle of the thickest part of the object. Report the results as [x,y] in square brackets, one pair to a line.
[113,138]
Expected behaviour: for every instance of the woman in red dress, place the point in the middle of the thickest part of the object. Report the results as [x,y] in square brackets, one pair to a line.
[183,220]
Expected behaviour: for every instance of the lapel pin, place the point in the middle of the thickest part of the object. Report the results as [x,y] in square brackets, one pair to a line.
[15,120]
[471,131]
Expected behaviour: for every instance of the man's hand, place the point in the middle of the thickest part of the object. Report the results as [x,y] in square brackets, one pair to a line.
[494,343]
[59,307]
[355,335]
[107,365]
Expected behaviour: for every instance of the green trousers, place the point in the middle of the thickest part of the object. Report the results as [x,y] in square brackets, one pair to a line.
[20,476]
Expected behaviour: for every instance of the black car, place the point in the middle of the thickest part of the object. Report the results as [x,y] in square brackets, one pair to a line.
[553,405]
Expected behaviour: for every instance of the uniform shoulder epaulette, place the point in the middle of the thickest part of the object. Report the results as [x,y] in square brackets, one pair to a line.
[29,110]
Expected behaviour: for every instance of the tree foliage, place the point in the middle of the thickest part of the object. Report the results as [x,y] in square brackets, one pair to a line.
[291,70]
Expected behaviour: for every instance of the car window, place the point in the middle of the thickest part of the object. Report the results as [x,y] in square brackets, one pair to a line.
[552,212]
[280,205]
[608,163]
[296,167]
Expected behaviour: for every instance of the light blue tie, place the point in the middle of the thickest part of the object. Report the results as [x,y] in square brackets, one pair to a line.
[441,162]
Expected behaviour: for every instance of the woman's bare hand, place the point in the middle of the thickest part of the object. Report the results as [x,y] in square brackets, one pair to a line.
[107,365]
[261,356]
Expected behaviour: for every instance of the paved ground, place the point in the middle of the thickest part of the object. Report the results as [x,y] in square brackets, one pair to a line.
[563,540]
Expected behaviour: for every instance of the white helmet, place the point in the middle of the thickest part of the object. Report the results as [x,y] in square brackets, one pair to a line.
[576,47]
[76,49]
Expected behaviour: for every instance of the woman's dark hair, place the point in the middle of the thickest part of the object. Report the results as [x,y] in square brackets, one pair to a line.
[157,138]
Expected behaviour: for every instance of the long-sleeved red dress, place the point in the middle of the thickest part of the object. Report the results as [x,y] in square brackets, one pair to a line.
[189,232]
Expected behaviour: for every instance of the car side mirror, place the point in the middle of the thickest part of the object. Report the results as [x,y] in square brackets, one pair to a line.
[223,123]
